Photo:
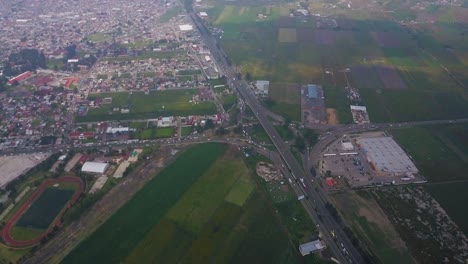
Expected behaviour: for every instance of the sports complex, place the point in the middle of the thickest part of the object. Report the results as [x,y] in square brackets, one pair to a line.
[42,211]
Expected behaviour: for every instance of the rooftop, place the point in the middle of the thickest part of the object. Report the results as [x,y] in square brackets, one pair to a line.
[386,155]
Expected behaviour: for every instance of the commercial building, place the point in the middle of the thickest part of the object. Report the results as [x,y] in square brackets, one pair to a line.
[312,92]
[166,122]
[386,157]
[113,130]
[311,247]
[94,167]
[262,87]
[185,27]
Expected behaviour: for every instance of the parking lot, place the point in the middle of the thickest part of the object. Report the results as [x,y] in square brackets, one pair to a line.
[351,165]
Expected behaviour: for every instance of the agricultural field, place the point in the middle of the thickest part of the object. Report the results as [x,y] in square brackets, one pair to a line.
[293,216]
[439,156]
[209,214]
[152,105]
[371,225]
[400,71]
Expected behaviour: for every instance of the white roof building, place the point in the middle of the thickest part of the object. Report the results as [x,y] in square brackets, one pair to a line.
[203,14]
[94,167]
[186,27]
[386,156]
[262,86]
[113,130]
[311,247]
[347,146]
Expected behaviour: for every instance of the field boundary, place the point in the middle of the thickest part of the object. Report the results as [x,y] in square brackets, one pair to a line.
[6,232]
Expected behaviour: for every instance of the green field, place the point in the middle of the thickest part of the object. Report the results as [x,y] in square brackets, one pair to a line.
[45,208]
[172,12]
[285,49]
[152,133]
[152,105]
[370,224]
[284,132]
[451,197]
[212,212]
[437,154]
[186,131]
[25,233]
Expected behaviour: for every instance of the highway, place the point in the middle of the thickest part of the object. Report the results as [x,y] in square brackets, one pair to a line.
[315,204]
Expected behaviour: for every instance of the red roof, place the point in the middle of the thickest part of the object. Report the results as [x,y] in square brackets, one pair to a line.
[20,77]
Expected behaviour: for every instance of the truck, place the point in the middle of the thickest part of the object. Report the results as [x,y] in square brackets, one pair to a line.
[301,197]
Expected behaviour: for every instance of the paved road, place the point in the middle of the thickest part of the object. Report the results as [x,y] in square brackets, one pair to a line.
[315,205]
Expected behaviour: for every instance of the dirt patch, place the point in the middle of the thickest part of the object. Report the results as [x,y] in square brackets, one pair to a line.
[287,35]
[241,11]
[377,216]
[352,205]
[267,171]
[332,117]
[232,153]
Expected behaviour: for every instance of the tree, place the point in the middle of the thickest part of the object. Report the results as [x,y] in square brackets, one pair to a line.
[248,76]
[300,144]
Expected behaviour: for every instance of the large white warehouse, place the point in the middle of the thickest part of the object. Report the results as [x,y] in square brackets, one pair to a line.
[94,167]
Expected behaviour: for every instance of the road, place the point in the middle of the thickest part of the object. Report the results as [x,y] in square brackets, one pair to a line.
[315,204]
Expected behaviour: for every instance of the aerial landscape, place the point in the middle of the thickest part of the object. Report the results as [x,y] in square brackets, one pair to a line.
[240,131]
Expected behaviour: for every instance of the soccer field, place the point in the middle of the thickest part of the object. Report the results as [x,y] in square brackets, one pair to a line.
[44,210]
[152,105]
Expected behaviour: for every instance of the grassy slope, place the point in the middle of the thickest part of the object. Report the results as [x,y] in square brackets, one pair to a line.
[131,223]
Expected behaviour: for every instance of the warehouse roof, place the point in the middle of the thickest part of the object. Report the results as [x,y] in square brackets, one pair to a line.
[311,247]
[94,167]
[312,91]
[386,155]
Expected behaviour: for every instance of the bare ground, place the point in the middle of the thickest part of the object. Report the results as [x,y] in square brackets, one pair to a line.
[332,117]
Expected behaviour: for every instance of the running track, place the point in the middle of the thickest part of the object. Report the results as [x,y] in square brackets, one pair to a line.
[27,243]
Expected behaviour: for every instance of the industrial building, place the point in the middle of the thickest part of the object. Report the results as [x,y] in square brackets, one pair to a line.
[311,247]
[386,157]
[94,167]
[312,92]
[262,87]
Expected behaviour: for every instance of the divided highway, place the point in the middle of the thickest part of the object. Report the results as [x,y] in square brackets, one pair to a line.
[315,202]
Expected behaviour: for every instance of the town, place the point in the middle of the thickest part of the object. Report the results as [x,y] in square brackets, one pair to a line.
[157,131]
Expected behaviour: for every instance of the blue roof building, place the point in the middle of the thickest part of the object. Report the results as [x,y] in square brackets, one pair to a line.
[312,91]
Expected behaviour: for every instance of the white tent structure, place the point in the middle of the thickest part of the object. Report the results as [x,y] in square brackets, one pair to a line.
[94,167]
